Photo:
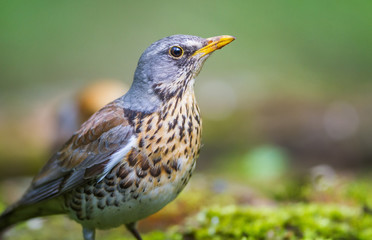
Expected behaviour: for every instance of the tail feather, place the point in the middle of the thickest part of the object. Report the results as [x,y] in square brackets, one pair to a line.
[19,213]
[8,219]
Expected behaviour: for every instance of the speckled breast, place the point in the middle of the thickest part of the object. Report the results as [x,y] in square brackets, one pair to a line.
[151,175]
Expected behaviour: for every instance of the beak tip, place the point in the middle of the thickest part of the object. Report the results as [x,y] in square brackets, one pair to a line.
[215,43]
[225,39]
[229,37]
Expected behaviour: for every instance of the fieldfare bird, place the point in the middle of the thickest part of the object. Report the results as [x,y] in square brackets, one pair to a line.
[136,154]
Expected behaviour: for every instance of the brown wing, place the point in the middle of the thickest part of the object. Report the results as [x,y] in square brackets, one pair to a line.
[84,156]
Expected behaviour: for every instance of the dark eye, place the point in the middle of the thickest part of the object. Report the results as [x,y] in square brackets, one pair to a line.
[176,51]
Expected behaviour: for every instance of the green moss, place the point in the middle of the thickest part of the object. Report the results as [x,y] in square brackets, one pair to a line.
[287,222]
[295,221]
[359,191]
[335,213]
[299,221]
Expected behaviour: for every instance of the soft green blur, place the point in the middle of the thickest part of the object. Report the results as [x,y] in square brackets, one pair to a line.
[297,78]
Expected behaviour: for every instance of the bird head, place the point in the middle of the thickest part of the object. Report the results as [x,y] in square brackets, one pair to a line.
[170,65]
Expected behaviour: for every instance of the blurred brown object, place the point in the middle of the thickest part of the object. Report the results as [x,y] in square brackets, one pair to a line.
[44,126]
[94,96]
[72,113]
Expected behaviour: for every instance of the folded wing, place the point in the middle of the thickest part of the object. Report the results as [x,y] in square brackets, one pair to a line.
[90,153]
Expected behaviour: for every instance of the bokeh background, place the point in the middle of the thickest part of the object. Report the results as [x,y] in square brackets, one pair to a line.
[289,99]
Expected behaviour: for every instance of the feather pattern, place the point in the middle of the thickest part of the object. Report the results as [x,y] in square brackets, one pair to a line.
[87,155]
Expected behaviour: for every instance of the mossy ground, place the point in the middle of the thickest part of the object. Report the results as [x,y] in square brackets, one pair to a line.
[209,209]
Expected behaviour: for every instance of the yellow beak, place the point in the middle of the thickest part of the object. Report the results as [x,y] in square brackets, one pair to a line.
[214,43]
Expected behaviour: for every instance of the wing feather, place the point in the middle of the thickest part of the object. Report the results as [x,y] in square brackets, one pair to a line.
[87,155]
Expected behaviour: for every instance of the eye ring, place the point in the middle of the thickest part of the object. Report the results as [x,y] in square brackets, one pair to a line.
[176,52]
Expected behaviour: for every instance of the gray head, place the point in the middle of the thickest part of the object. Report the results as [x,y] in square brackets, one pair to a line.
[167,67]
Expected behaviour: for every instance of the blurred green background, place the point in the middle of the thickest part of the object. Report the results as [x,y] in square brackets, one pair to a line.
[298,77]
[291,96]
